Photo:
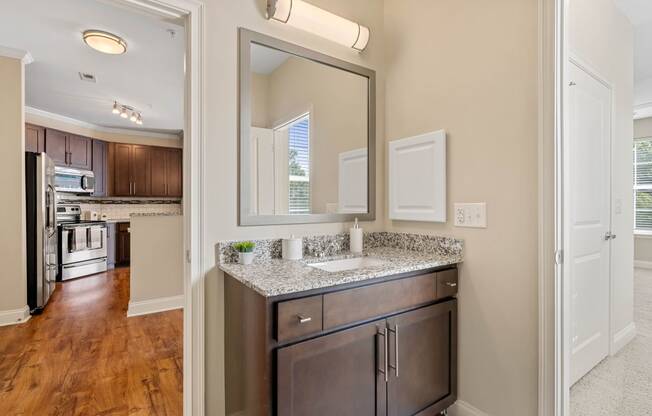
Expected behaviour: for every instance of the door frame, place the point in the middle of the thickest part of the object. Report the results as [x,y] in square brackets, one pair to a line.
[192,12]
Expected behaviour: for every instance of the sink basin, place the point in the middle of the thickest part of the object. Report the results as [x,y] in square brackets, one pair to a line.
[348,264]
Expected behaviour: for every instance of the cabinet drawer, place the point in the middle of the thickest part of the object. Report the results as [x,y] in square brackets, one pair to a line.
[298,318]
[446,283]
[348,306]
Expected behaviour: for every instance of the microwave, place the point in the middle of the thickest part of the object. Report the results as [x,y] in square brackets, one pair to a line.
[74,181]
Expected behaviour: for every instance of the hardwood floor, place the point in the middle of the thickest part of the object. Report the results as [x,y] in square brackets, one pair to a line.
[83,356]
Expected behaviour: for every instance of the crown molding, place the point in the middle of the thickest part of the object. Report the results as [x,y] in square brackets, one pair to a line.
[20,54]
[79,123]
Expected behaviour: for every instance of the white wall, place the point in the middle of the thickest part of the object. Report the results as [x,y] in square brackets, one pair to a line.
[600,36]
[13,282]
[220,92]
[471,68]
[156,268]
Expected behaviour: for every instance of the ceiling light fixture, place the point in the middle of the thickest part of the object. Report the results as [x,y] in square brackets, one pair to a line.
[311,18]
[133,116]
[115,110]
[105,42]
[124,110]
[139,120]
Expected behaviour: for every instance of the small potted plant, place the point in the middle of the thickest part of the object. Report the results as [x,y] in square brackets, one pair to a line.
[245,250]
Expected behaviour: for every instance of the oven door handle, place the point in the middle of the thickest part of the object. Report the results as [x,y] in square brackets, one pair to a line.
[84,263]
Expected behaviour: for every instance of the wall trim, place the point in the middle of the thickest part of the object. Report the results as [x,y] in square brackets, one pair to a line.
[15,316]
[623,337]
[462,408]
[145,307]
[642,264]
[91,126]
[23,55]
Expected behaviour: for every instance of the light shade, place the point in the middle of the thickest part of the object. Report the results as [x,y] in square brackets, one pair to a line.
[105,42]
[310,18]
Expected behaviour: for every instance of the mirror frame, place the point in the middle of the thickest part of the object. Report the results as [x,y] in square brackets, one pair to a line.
[246,38]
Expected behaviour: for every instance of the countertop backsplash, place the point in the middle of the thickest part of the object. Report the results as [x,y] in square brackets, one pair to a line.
[122,209]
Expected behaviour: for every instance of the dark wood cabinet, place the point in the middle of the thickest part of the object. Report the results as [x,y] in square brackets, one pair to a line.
[123,244]
[131,168]
[67,149]
[167,172]
[34,138]
[141,170]
[337,374]
[381,348]
[100,167]
[111,242]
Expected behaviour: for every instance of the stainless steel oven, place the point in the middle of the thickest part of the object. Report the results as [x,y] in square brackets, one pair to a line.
[75,181]
[83,244]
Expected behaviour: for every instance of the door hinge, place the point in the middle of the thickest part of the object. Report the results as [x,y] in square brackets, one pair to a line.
[559,257]
[188,258]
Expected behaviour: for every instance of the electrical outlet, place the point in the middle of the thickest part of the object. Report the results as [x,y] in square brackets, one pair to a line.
[471,215]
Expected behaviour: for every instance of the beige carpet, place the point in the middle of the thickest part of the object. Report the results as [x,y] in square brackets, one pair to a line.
[622,385]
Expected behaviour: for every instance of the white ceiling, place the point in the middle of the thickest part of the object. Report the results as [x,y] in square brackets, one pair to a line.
[149,77]
[265,60]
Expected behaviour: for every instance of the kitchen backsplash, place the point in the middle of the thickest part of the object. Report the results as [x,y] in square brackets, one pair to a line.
[122,208]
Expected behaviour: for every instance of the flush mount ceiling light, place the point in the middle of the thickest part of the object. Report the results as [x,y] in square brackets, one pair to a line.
[105,42]
[310,18]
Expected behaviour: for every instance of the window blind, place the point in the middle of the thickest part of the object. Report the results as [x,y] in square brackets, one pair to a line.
[643,184]
[299,166]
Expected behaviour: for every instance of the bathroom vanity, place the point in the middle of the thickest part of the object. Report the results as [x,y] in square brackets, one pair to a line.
[377,340]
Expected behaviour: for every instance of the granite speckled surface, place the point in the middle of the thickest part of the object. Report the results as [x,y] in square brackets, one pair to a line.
[155,214]
[271,276]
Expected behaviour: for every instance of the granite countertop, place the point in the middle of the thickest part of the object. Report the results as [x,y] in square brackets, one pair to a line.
[117,220]
[274,277]
[155,214]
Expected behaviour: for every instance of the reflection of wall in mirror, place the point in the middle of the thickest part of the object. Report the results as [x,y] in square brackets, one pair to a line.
[337,101]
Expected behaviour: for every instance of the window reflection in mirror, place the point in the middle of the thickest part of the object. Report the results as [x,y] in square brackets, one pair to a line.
[309,136]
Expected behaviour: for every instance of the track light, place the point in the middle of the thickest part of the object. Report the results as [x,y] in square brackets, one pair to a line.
[133,116]
[115,110]
[124,110]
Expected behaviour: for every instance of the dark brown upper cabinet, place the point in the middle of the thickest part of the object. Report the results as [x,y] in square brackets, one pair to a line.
[34,138]
[67,149]
[132,170]
[167,172]
[100,167]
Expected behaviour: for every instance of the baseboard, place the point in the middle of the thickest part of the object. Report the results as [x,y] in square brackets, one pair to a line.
[641,264]
[624,337]
[462,408]
[14,316]
[145,307]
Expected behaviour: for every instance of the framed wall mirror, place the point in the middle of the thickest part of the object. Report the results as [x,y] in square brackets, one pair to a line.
[307,135]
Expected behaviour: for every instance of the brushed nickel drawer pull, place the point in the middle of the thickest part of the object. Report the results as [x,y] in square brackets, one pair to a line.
[385,370]
[451,284]
[395,366]
[304,319]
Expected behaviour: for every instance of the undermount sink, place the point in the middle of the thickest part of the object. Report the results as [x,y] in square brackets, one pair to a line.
[348,264]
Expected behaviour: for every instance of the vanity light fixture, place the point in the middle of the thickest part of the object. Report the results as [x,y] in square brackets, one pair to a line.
[311,18]
[105,42]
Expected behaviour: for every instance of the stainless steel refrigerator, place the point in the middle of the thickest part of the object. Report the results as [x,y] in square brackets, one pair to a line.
[41,221]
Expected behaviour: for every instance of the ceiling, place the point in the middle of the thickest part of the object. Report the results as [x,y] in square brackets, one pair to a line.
[149,77]
[265,60]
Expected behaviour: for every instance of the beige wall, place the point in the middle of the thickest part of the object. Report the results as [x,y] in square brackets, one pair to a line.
[156,268]
[222,19]
[13,283]
[98,134]
[337,101]
[601,37]
[471,68]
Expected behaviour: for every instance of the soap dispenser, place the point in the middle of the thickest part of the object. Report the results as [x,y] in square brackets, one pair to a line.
[355,238]
[292,248]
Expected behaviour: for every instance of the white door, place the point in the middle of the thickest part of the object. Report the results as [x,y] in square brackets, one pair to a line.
[587,164]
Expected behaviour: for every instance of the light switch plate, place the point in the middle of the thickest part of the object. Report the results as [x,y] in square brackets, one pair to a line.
[472,215]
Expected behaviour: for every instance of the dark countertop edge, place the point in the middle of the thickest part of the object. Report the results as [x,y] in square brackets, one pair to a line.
[388,276]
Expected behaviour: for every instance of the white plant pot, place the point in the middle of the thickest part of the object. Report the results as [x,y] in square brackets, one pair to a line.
[246,258]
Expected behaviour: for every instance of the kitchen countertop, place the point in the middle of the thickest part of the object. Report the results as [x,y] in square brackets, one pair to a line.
[274,277]
[117,220]
[155,214]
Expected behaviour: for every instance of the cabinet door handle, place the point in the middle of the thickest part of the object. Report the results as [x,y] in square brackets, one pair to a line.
[134,188]
[395,332]
[385,369]
[451,284]
[304,319]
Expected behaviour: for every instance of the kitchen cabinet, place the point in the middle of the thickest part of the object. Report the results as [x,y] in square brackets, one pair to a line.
[167,174]
[131,168]
[123,244]
[34,138]
[100,167]
[67,149]
[111,241]
[385,348]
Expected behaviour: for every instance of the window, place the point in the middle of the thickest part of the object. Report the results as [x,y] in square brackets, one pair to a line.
[299,165]
[643,184]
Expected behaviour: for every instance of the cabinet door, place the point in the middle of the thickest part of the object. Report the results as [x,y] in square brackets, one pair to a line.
[110,245]
[34,138]
[55,146]
[174,172]
[337,374]
[159,168]
[122,185]
[123,245]
[99,167]
[423,375]
[80,152]
[141,174]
